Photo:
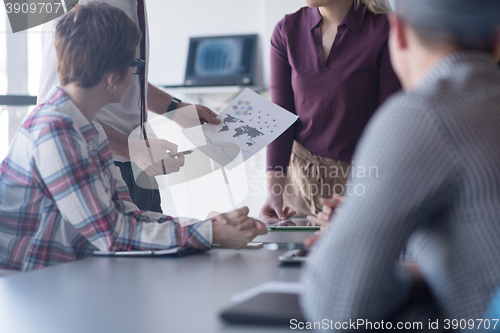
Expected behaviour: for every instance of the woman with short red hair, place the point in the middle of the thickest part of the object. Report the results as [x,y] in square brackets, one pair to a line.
[61,196]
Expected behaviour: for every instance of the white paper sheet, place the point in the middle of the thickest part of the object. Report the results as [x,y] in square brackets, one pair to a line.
[248,124]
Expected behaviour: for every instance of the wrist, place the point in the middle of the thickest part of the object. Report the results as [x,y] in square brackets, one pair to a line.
[275,183]
[174,103]
[172,106]
[275,193]
[182,104]
[216,232]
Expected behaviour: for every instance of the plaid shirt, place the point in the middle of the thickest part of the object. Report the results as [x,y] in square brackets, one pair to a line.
[61,197]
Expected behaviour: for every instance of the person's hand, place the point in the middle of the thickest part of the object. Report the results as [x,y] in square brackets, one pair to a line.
[323,218]
[311,240]
[329,206]
[238,218]
[149,159]
[206,115]
[272,211]
[187,118]
[233,235]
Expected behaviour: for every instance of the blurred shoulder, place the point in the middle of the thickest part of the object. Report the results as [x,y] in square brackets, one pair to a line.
[302,17]
[377,24]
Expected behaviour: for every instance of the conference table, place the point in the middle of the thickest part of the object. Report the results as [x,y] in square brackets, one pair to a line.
[146,295]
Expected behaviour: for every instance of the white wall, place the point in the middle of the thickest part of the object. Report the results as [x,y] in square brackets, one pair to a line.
[171,23]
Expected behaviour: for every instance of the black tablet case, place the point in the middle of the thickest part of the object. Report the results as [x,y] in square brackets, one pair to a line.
[266,309]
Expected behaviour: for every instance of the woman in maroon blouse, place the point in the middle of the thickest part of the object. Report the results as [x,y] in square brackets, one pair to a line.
[329,65]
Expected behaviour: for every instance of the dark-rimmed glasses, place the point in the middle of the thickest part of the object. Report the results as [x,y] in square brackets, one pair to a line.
[137,66]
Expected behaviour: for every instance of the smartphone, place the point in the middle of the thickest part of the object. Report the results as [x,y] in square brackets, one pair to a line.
[294,257]
[251,246]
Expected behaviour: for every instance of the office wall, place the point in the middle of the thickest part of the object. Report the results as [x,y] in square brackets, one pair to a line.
[171,23]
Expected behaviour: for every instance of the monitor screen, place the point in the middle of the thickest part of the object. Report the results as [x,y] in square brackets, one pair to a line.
[221,60]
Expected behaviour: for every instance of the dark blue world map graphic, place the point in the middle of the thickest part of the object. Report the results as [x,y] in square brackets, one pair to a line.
[249,132]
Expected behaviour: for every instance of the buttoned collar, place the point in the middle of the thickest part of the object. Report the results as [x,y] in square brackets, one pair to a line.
[353,20]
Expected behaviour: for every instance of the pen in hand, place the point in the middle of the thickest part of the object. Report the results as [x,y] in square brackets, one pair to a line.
[185,152]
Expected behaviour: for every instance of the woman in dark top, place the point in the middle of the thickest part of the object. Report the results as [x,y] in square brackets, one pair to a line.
[329,65]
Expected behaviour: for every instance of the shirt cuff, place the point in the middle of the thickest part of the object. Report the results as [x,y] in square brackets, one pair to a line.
[198,235]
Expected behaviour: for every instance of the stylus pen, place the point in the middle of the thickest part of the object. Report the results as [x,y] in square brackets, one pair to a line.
[185,152]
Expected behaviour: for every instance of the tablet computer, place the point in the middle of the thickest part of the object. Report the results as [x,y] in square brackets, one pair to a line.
[294,224]
[296,228]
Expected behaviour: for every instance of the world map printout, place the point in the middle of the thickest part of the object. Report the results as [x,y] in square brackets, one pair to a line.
[248,124]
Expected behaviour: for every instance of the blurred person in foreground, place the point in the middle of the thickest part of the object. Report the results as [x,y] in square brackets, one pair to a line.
[61,196]
[438,187]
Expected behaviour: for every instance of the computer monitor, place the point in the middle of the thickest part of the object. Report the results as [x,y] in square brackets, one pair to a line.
[221,60]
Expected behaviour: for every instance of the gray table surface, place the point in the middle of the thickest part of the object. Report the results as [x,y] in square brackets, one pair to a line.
[284,237]
[139,294]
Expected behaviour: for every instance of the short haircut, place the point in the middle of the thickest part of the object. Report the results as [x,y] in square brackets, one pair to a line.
[467,24]
[94,40]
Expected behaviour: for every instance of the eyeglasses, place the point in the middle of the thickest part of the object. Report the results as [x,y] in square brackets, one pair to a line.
[137,66]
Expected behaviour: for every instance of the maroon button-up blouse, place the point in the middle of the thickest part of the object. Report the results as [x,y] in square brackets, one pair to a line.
[334,100]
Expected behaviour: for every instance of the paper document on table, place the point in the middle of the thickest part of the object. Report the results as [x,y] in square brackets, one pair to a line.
[248,124]
[268,287]
[175,252]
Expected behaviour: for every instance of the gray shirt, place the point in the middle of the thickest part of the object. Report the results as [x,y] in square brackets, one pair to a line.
[436,151]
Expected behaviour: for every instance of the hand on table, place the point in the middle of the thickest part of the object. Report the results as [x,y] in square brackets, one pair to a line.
[329,206]
[238,218]
[310,241]
[149,159]
[272,211]
[323,218]
[235,229]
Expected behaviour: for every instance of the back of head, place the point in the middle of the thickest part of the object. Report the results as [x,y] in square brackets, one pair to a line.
[467,24]
[94,40]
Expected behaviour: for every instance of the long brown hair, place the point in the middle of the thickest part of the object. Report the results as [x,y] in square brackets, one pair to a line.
[375,6]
